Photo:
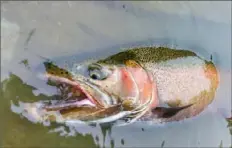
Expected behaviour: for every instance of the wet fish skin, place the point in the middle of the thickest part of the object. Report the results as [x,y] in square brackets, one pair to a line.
[155,60]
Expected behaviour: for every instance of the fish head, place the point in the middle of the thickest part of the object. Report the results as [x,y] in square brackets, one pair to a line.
[105,84]
[100,90]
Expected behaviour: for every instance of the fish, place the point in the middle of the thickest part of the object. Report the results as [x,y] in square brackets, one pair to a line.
[157,84]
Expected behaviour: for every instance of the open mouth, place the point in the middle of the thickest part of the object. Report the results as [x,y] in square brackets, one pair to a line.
[78,97]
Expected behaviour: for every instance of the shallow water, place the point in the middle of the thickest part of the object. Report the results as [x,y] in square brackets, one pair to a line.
[32,32]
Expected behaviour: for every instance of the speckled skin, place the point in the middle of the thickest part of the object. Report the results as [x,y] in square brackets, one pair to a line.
[148,56]
[145,55]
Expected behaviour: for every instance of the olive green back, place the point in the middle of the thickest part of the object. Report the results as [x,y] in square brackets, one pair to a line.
[146,54]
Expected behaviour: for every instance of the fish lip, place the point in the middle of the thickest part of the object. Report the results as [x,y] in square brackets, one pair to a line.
[77,84]
[85,82]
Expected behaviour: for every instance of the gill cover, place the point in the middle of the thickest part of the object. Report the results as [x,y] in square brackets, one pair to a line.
[138,80]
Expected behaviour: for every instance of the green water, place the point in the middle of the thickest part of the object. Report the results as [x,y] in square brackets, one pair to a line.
[19,132]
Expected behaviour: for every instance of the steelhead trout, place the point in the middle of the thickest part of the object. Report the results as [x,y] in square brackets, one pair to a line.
[147,83]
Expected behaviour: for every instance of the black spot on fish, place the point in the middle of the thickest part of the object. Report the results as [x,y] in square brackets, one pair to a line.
[123,6]
[143,129]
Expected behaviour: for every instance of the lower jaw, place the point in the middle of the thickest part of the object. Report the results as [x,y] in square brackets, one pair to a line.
[68,105]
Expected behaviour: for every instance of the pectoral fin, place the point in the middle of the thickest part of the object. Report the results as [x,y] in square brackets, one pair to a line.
[165,112]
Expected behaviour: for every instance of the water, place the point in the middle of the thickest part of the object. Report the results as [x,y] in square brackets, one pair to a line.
[62,30]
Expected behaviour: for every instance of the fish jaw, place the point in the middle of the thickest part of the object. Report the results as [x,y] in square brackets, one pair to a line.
[85,88]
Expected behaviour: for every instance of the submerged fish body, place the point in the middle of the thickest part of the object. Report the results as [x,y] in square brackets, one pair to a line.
[133,85]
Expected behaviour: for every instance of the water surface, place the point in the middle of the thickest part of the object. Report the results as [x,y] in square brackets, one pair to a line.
[35,31]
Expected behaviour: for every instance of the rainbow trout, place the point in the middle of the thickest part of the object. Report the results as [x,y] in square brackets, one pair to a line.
[141,84]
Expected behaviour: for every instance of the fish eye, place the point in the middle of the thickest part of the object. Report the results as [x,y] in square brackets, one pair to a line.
[95,74]
[98,73]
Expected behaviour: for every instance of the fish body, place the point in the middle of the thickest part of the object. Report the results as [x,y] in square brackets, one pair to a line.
[145,83]
[181,76]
